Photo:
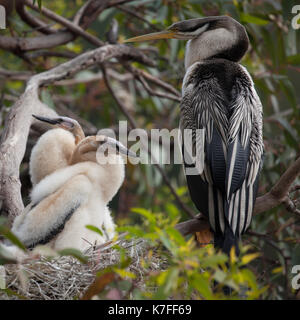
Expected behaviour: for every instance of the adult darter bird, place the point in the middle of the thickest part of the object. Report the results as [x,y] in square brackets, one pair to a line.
[222,114]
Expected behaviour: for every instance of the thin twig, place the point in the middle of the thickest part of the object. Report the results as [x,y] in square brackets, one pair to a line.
[135,14]
[65,22]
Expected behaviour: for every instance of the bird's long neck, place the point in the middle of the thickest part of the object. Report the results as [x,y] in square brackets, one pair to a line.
[114,173]
[78,134]
[229,43]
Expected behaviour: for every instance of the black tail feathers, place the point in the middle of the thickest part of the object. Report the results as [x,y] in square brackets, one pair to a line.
[226,241]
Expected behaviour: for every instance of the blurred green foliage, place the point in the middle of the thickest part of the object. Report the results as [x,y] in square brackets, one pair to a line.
[274,63]
[186,272]
[191,272]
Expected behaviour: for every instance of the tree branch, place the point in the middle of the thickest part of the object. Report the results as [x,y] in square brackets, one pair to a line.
[32,20]
[280,191]
[19,44]
[137,15]
[197,224]
[35,43]
[65,22]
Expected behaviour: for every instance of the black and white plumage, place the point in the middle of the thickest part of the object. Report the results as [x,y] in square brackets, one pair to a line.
[220,124]
[230,143]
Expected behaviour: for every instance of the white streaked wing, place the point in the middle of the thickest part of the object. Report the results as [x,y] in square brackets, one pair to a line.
[231,167]
[230,210]
[236,211]
[243,207]
[250,207]
[221,212]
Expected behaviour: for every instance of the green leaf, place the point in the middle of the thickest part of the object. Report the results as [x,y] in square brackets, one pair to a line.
[39,3]
[172,210]
[145,213]
[200,283]
[168,283]
[248,18]
[10,293]
[277,270]
[249,257]
[220,276]
[250,278]
[214,260]
[166,241]
[74,253]
[5,231]
[176,235]
[95,229]
[133,230]
[124,273]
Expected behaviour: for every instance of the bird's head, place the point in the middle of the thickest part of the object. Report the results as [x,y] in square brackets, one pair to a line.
[209,37]
[108,145]
[65,123]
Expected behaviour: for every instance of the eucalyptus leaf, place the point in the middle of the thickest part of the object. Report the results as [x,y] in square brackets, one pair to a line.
[253,19]
[95,229]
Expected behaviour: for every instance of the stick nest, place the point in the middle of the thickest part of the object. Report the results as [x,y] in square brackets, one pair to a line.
[66,278]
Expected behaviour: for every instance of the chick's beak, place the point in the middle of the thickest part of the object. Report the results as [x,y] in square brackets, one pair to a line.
[62,122]
[120,148]
[166,34]
[47,120]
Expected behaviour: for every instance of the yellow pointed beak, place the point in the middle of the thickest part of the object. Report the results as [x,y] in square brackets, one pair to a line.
[166,34]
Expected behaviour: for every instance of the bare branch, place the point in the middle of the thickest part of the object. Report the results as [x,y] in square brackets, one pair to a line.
[141,75]
[35,43]
[65,22]
[32,20]
[157,93]
[25,75]
[291,207]
[138,16]
[47,53]
[15,75]
[199,223]
[17,45]
[279,192]
[78,16]
[158,82]
[91,12]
